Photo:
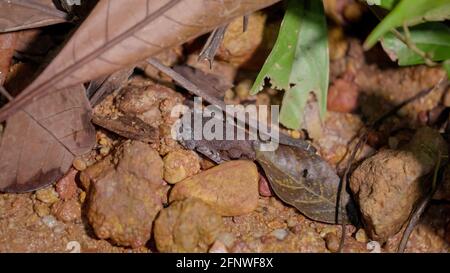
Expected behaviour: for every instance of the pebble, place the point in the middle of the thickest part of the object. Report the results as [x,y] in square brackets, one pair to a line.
[82,197]
[179,165]
[67,187]
[41,209]
[49,221]
[228,239]
[67,211]
[264,188]
[332,242]
[190,225]
[218,247]
[230,188]
[291,222]
[361,236]
[47,195]
[79,164]
[296,134]
[280,234]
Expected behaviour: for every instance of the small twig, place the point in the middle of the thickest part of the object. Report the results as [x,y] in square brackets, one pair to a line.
[6,93]
[406,39]
[209,51]
[341,209]
[415,216]
[245,24]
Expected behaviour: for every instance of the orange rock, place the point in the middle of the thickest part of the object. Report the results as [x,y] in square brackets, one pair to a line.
[67,187]
[342,96]
[230,188]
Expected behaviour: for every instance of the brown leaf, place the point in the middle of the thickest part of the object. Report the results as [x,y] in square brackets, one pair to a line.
[23,14]
[100,88]
[305,181]
[39,143]
[110,38]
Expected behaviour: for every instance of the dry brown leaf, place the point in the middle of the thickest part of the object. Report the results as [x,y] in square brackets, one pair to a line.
[23,14]
[307,182]
[39,143]
[117,34]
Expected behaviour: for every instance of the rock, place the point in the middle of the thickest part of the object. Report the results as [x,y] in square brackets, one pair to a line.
[340,130]
[125,194]
[227,238]
[41,209]
[230,188]
[94,171]
[190,225]
[332,242]
[443,192]
[147,102]
[361,236]
[280,234]
[67,211]
[343,96]
[122,208]
[179,165]
[140,160]
[79,164]
[218,247]
[388,184]
[239,46]
[47,195]
[264,187]
[50,221]
[67,187]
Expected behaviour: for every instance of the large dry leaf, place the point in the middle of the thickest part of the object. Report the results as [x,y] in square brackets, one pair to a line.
[39,143]
[305,181]
[119,33]
[23,14]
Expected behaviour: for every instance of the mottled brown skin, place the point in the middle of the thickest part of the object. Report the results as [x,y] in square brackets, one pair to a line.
[187,226]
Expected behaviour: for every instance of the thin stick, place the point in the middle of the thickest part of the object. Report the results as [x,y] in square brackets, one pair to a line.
[414,220]
[341,209]
[6,93]
[209,51]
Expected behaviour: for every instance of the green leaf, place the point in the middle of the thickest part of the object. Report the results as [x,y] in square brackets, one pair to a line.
[433,38]
[279,63]
[299,62]
[446,66]
[410,13]
[387,4]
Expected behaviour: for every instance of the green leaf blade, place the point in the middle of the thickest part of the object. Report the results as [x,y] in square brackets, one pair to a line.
[432,38]
[410,13]
[279,63]
[305,65]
